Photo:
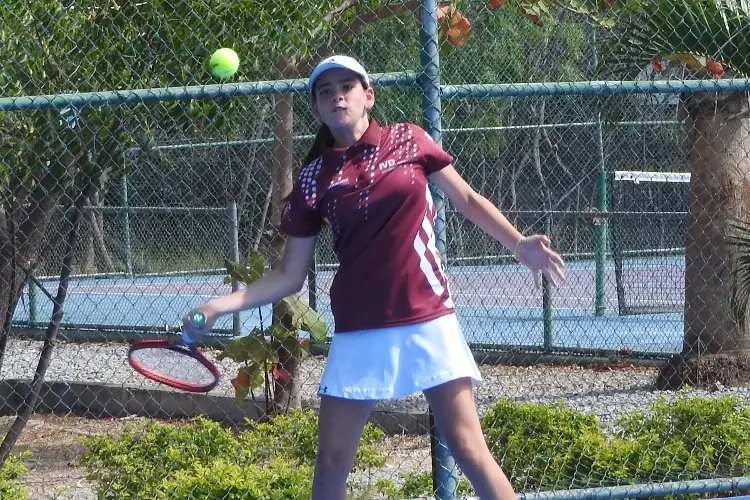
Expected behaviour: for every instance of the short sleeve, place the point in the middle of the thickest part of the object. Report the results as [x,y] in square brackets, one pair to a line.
[300,219]
[431,155]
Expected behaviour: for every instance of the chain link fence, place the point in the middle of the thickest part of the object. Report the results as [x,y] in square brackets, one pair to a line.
[130,178]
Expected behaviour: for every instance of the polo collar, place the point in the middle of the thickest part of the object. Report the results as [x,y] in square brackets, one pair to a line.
[371,135]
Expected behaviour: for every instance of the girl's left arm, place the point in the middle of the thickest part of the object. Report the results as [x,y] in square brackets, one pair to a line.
[532,251]
[476,207]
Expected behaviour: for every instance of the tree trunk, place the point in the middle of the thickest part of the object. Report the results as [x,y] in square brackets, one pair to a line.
[23,229]
[286,394]
[32,397]
[96,221]
[716,347]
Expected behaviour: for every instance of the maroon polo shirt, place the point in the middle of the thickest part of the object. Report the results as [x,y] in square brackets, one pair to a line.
[375,196]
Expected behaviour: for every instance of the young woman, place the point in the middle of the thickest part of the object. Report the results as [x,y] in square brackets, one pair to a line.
[396,330]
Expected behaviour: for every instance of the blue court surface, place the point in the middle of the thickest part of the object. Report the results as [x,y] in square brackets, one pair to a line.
[496,305]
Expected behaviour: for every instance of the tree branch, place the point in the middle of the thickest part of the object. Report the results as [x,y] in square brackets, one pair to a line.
[340,9]
[30,400]
[553,149]
[360,20]
[384,12]
[42,202]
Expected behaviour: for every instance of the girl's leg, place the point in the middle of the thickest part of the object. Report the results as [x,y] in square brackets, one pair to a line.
[340,425]
[456,416]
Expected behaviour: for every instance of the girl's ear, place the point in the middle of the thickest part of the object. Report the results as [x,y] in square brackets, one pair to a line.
[369,98]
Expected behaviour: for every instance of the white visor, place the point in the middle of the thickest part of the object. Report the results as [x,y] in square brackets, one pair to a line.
[342,62]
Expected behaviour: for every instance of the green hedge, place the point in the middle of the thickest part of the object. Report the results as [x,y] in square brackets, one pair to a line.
[540,446]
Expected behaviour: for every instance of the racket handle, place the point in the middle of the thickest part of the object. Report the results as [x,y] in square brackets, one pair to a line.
[197,320]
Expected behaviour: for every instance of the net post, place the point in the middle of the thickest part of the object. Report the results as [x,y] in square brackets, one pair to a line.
[234,251]
[444,474]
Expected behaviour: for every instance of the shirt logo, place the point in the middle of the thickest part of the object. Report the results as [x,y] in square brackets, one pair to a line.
[384,165]
[341,181]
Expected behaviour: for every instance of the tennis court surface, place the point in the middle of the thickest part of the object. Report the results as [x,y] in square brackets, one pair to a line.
[496,304]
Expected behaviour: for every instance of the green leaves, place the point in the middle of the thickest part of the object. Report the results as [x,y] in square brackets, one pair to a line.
[258,351]
[696,34]
[202,460]
[739,239]
[253,347]
[544,446]
[302,317]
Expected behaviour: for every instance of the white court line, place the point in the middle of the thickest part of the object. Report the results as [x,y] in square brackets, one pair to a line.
[147,294]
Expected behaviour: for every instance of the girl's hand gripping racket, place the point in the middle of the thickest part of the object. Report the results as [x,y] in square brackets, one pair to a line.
[176,363]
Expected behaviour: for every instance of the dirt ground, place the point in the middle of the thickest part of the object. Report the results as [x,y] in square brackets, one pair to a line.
[56,474]
[54,443]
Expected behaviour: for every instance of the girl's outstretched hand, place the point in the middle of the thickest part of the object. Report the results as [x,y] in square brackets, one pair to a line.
[535,253]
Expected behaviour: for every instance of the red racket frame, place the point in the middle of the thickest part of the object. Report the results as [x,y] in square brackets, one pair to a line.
[180,348]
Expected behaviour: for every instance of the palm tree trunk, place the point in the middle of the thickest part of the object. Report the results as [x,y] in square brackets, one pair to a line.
[716,346]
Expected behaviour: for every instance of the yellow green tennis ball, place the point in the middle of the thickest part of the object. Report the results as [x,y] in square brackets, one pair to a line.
[224,63]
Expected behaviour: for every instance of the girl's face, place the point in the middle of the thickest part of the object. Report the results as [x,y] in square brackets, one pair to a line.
[340,100]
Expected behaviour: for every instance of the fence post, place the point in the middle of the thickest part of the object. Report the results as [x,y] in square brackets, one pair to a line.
[444,477]
[602,228]
[234,255]
[547,322]
[126,243]
[312,282]
[600,302]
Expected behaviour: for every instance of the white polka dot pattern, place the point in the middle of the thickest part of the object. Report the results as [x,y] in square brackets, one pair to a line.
[382,220]
[308,180]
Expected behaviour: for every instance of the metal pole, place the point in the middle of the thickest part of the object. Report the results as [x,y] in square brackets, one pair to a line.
[312,282]
[127,242]
[547,325]
[600,299]
[601,234]
[234,256]
[444,476]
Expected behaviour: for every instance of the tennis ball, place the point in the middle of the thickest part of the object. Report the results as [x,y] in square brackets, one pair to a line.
[223,63]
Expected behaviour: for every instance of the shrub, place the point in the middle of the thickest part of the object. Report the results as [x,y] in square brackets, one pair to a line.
[10,473]
[539,445]
[278,480]
[554,447]
[201,459]
[296,434]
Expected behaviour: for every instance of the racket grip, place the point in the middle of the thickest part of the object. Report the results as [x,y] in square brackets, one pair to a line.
[197,320]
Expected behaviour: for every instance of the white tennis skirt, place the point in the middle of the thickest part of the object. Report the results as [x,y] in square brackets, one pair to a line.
[394,362]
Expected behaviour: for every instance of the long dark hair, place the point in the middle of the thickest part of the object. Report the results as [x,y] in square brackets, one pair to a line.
[323,138]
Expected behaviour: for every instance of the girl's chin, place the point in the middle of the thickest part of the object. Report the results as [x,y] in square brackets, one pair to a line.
[340,123]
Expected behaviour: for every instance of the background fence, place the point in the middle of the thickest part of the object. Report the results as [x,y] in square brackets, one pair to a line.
[187,181]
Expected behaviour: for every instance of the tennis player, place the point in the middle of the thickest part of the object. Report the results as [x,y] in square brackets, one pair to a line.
[396,330]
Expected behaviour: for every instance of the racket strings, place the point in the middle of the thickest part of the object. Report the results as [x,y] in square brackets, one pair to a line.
[175,366]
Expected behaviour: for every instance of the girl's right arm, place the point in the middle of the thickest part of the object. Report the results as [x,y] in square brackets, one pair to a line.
[284,280]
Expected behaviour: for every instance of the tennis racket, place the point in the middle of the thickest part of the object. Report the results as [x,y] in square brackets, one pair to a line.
[176,363]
